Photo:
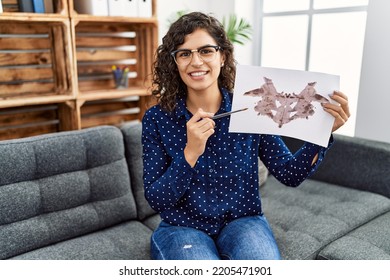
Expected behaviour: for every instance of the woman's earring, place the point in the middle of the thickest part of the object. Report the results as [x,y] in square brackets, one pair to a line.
[222,64]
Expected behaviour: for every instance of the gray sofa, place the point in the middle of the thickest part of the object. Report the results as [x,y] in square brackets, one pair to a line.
[79,195]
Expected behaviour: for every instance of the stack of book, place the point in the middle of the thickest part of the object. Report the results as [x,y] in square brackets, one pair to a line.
[35,6]
[125,8]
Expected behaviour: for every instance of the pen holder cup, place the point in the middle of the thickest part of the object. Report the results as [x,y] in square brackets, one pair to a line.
[121,80]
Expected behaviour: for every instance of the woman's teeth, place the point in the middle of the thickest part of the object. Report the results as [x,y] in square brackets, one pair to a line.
[197,74]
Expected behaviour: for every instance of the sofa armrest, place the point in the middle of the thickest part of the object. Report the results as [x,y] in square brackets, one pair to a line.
[357,163]
[132,134]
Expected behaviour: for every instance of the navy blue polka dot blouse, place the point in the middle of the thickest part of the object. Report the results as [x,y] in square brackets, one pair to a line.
[224,184]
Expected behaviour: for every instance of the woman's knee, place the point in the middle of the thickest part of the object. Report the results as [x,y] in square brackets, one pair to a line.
[248,238]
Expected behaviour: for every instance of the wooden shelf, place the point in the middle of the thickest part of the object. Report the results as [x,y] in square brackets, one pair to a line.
[35,60]
[31,17]
[110,94]
[60,65]
[116,19]
[35,101]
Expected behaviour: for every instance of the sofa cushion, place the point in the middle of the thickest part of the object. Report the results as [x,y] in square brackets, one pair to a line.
[132,133]
[368,242]
[61,185]
[126,241]
[308,218]
[152,221]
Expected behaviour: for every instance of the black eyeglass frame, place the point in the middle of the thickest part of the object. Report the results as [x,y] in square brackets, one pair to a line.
[173,53]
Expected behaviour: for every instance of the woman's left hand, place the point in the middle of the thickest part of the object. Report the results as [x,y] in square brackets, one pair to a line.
[339,111]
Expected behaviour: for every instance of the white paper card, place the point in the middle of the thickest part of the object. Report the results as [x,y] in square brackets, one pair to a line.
[283,102]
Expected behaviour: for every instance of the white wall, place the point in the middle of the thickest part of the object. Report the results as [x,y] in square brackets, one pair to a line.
[245,54]
[219,8]
[373,111]
[167,8]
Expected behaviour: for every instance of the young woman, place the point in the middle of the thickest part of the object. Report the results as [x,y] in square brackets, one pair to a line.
[202,179]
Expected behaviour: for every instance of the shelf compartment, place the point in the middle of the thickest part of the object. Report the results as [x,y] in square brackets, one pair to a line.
[11,8]
[32,60]
[27,121]
[99,46]
[110,112]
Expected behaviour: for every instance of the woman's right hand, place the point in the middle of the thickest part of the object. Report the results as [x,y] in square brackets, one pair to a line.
[199,128]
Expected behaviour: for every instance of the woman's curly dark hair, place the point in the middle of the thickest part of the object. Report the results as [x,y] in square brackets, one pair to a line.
[167,84]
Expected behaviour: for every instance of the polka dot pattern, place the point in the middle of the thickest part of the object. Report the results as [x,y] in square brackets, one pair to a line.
[224,184]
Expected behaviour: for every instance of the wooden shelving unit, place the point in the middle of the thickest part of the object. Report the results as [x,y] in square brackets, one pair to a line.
[55,69]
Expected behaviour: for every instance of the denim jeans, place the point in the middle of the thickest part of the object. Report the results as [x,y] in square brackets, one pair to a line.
[246,238]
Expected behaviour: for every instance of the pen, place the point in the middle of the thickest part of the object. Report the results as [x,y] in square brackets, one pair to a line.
[117,75]
[124,77]
[227,114]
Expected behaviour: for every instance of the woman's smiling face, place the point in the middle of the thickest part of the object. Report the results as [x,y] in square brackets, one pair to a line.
[199,75]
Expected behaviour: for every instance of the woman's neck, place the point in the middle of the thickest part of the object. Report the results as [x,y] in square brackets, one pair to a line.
[209,101]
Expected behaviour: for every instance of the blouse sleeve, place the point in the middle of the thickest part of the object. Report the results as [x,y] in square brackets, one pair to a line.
[290,169]
[166,179]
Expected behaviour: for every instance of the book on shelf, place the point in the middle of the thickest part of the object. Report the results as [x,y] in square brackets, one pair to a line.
[26,6]
[48,6]
[126,8]
[131,8]
[92,7]
[36,6]
[1,7]
[144,8]
[115,7]
[39,6]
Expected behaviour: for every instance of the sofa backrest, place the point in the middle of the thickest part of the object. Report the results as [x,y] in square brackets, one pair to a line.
[57,186]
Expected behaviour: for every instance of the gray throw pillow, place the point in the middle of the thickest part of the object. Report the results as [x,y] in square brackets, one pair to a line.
[263,173]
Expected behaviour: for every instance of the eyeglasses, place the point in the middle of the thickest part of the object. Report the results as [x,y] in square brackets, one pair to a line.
[206,53]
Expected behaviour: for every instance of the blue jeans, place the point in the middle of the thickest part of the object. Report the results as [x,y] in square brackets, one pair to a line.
[246,238]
